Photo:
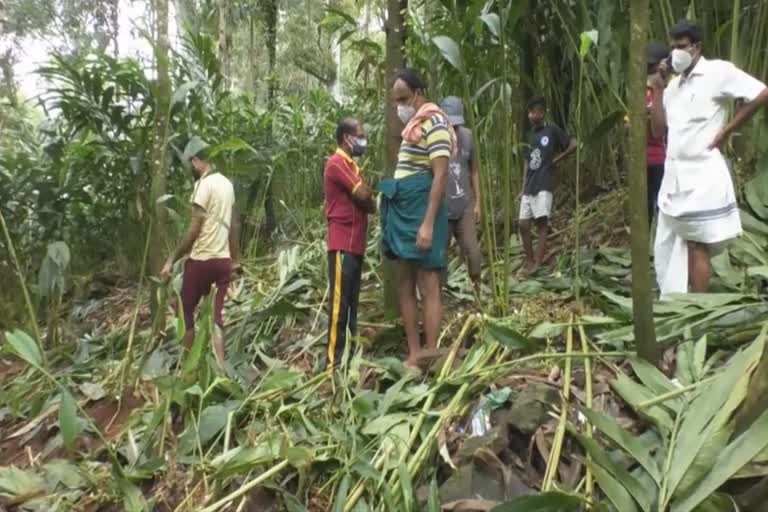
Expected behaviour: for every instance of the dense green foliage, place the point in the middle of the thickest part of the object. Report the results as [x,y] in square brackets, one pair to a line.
[262,82]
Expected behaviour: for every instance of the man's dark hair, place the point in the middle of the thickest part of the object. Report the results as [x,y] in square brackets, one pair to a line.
[537,101]
[412,79]
[347,126]
[687,28]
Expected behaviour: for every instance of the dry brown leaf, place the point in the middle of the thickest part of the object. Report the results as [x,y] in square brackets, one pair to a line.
[554,374]
[443,448]
[539,438]
[488,459]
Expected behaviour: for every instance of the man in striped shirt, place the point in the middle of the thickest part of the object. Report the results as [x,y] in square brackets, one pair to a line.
[413,211]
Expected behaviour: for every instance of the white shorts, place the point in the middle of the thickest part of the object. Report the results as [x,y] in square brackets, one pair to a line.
[536,207]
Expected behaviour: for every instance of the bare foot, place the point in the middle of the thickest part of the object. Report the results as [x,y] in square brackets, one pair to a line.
[412,368]
[413,360]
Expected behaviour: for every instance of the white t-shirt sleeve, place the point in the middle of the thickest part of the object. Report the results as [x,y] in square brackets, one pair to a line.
[202,194]
[735,83]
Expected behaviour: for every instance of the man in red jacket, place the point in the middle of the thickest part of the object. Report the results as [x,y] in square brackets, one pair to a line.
[348,202]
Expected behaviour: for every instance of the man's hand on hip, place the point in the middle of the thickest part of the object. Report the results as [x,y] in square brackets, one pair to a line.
[720,138]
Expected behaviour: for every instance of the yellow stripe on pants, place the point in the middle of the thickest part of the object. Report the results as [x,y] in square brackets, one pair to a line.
[333,326]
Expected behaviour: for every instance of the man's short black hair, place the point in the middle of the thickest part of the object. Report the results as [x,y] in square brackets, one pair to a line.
[347,126]
[412,79]
[537,101]
[687,28]
[655,52]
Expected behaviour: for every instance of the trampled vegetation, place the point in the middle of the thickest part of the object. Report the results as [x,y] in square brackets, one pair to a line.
[536,398]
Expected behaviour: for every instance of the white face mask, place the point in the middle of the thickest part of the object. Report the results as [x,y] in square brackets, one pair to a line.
[681,60]
[358,145]
[405,113]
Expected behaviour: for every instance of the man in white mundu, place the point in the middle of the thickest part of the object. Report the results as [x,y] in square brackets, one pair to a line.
[697,204]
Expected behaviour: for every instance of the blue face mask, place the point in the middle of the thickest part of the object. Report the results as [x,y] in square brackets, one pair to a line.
[358,146]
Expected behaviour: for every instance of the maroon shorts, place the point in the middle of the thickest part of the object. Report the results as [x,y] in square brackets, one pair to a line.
[199,275]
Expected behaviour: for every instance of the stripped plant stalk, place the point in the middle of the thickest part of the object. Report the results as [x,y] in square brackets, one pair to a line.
[577,213]
[126,363]
[357,491]
[536,357]
[487,234]
[663,498]
[247,487]
[451,410]
[589,483]
[557,443]
[677,392]
[506,158]
[22,282]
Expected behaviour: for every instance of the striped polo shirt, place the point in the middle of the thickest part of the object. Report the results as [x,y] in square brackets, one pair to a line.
[434,143]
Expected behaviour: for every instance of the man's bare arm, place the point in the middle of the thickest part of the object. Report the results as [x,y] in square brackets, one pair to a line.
[437,191]
[525,176]
[475,182]
[570,149]
[234,238]
[362,196]
[188,240]
[657,116]
[741,117]
[425,233]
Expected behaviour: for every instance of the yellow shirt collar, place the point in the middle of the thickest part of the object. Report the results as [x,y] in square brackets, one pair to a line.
[343,154]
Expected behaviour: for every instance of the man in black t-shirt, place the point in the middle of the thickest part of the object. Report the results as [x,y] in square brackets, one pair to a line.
[547,145]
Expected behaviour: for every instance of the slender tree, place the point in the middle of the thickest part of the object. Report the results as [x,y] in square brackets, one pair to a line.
[224,34]
[187,17]
[158,162]
[7,77]
[642,291]
[270,22]
[394,60]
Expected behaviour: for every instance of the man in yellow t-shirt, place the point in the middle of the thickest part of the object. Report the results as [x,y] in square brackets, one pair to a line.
[212,243]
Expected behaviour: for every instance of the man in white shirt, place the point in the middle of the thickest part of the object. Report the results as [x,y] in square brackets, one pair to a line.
[212,244]
[697,204]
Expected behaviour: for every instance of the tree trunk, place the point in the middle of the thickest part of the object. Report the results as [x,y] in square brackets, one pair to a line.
[186,16]
[431,9]
[642,291]
[395,60]
[253,75]
[115,8]
[270,19]
[158,164]
[334,85]
[8,83]
[527,65]
[223,43]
